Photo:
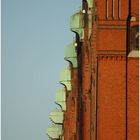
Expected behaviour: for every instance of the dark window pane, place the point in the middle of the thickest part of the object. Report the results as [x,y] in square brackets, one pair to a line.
[134,38]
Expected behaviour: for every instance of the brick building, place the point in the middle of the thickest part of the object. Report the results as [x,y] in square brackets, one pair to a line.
[100,95]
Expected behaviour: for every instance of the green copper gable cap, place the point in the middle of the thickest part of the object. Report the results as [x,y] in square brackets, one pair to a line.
[54,131]
[60,98]
[57,116]
[90,3]
[65,78]
[71,54]
[70,50]
[77,24]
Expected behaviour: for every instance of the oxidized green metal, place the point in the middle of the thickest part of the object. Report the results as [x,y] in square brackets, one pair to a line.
[90,18]
[57,116]
[60,98]
[90,3]
[71,54]
[77,24]
[65,78]
[54,131]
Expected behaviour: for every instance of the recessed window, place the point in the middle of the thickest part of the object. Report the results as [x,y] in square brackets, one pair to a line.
[107,9]
[113,8]
[134,35]
[119,8]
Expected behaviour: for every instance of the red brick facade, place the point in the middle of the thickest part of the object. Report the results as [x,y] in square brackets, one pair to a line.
[104,101]
[109,76]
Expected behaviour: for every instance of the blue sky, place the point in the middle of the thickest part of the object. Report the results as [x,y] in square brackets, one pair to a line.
[34,34]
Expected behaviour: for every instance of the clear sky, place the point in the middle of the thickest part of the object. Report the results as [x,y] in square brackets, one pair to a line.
[34,34]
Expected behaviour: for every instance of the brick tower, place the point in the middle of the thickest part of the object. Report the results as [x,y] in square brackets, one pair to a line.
[102,83]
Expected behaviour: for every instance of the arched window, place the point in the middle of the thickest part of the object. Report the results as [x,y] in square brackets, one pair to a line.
[134,38]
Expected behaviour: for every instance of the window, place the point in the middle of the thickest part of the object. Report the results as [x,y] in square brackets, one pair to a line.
[107,9]
[119,8]
[113,8]
[134,38]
